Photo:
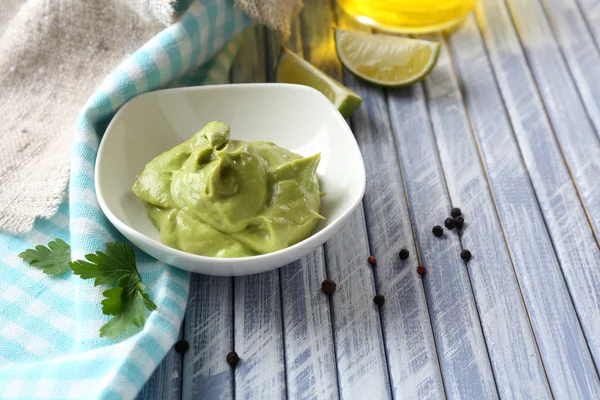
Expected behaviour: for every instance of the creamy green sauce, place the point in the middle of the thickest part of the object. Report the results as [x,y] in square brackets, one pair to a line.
[219,197]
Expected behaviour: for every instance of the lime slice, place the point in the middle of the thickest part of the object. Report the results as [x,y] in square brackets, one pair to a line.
[386,60]
[294,69]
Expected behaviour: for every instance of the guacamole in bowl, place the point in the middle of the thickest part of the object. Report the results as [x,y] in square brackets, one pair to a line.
[218,197]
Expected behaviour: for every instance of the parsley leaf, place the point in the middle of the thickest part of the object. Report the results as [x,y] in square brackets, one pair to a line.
[116,264]
[52,260]
[127,301]
[127,308]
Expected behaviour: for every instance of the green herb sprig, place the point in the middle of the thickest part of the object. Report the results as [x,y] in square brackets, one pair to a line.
[127,302]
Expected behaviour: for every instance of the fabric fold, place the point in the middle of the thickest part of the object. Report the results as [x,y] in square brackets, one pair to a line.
[49,342]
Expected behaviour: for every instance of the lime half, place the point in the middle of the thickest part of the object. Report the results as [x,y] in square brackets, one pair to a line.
[386,60]
[293,69]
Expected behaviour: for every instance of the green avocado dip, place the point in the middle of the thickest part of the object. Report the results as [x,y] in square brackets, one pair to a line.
[227,198]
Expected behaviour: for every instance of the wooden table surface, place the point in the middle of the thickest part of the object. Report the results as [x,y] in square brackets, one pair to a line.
[507,128]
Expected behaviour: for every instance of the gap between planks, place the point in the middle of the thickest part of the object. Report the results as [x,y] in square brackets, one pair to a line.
[491,191]
[577,140]
[515,116]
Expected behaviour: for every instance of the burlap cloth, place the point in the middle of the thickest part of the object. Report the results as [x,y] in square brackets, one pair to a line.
[53,54]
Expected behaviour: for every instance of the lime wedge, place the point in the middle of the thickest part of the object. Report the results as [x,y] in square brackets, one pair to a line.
[386,60]
[293,69]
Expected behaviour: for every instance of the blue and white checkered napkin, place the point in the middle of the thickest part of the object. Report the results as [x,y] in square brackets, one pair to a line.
[49,342]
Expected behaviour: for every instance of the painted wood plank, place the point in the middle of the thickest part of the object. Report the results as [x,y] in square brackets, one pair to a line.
[591,12]
[165,383]
[362,367]
[579,51]
[513,190]
[309,349]
[295,42]
[408,337]
[574,131]
[564,351]
[409,343]
[510,341]
[258,330]
[273,45]
[250,62]
[463,356]
[574,242]
[571,121]
[317,22]
[259,337]
[208,328]
[308,334]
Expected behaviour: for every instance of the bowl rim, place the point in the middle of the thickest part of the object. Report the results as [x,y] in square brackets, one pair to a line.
[313,241]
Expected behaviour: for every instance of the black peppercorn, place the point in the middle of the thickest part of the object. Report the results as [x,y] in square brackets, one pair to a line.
[437,230]
[460,221]
[403,254]
[328,286]
[465,255]
[421,270]
[450,223]
[233,359]
[455,212]
[379,299]
[372,260]
[182,346]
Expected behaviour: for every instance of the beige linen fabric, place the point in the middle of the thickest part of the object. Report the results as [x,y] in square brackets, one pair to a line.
[276,14]
[53,54]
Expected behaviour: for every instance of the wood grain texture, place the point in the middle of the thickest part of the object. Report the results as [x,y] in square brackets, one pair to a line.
[362,367]
[590,9]
[259,337]
[309,349]
[250,62]
[361,359]
[408,337]
[165,382]
[460,342]
[563,348]
[209,331]
[572,112]
[410,346]
[513,352]
[578,48]
[317,22]
[579,141]
[580,52]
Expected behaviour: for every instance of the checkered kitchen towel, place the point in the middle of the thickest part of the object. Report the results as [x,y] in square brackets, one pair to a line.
[49,343]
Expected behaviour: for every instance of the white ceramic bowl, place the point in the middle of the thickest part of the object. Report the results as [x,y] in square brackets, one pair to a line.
[298,118]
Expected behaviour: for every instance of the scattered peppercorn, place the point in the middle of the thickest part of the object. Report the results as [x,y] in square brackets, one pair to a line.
[379,299]
[403,254]
[421,270]
[450,223]
[460,221]
[437,230]
[182,346]
[372,260]
[233,359]
[465,255]
[455,212]
[328,286]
